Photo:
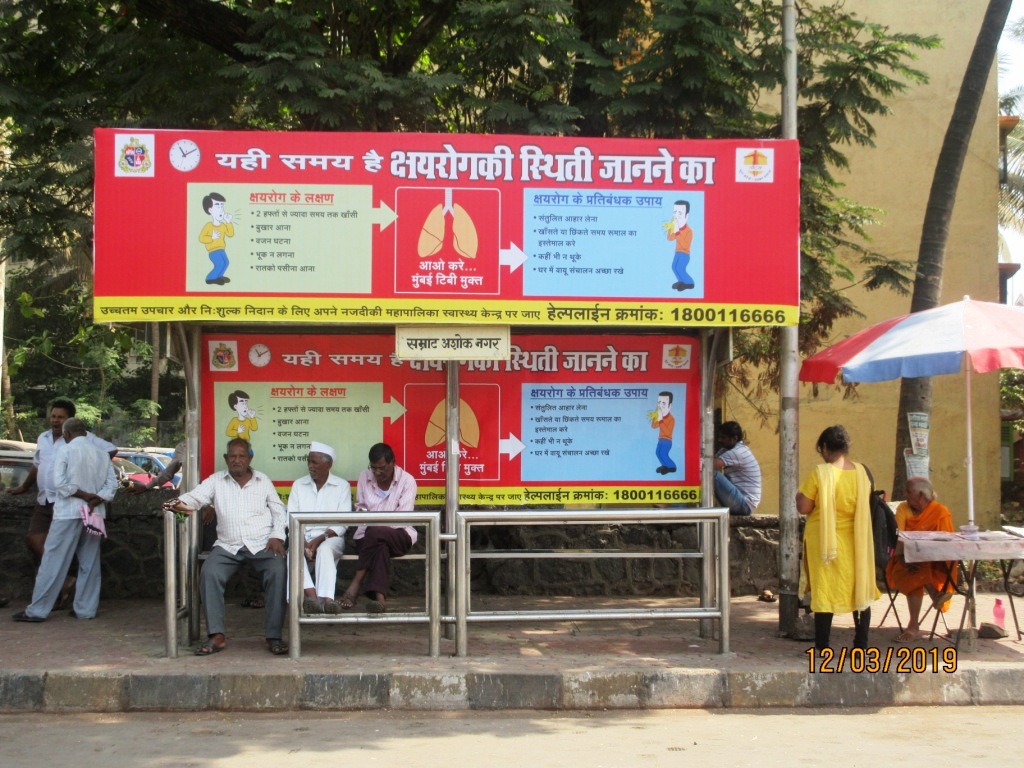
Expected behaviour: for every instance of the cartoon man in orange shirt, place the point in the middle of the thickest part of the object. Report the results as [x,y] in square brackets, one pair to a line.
[663,421]
[679,231]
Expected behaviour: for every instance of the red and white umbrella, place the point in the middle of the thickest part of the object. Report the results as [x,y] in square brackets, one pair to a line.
[930,343]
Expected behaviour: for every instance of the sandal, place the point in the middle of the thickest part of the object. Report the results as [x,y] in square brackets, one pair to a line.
[312,605]
[331,606]
[208,649]
[767,596]
[254,602]
[277,646]
[375,606]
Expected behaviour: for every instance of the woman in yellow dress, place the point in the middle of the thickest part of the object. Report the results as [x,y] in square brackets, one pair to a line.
[839,561]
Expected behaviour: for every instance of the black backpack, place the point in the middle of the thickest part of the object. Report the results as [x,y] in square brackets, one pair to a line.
[883,528]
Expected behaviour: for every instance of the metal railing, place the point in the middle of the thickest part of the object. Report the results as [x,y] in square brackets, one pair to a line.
[181,567]
[431,615]
[181,587]
[713,548]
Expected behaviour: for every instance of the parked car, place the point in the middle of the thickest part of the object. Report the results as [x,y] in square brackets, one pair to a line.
[168,452]
[151,462]
[17,445]
[14,468]
[128,471]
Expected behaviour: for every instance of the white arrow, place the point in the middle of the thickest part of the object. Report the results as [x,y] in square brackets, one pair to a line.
[513,257]
[512,446]
[382,216]
[394,410]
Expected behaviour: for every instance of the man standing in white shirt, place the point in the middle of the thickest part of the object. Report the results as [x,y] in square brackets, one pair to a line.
[83,475]
[250,529]
[321,491]
[48,444]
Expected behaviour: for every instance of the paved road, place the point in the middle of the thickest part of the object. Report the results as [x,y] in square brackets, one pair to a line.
[767,737]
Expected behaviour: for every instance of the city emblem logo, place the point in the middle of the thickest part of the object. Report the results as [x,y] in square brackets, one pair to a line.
[675,356]
[755,165]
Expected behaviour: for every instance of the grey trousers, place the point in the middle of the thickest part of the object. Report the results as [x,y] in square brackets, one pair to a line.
[221,565]
[66,539]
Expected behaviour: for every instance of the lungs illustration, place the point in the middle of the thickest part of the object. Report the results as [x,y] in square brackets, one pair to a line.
[448,231]
[469,426]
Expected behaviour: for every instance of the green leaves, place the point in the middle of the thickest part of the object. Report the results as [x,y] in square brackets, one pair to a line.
[655,68]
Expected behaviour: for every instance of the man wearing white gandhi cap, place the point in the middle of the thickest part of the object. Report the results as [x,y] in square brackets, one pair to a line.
[321,491]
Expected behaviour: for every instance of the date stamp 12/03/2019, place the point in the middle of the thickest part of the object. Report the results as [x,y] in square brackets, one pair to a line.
[904,659]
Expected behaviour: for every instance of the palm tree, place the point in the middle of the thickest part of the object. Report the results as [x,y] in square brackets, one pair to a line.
[916,393]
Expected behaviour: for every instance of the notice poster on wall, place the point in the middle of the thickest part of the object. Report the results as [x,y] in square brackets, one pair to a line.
[391,228]
[565,419]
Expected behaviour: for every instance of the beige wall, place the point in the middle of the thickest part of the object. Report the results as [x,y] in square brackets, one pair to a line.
[895,177]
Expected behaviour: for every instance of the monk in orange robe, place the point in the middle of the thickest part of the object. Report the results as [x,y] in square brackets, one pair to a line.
[920,512]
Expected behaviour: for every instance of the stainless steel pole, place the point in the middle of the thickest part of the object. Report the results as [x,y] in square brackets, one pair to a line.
[451,484]
[789,388]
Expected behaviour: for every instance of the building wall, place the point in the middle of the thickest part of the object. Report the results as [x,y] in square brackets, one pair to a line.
[896,177]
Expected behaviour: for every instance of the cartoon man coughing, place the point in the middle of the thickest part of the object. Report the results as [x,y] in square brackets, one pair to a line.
[212,236]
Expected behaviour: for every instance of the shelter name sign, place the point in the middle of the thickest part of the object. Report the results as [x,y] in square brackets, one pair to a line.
[458,342]
[391,228]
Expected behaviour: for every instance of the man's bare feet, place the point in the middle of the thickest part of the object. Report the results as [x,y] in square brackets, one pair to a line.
[907,636]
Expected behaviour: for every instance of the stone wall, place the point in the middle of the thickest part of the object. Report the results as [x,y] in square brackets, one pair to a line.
[133,557]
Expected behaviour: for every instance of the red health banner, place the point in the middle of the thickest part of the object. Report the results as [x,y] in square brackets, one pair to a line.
[567,419]
[393,228]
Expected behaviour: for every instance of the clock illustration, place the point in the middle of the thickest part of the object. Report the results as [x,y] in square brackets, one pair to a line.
[259,355]
[184,154]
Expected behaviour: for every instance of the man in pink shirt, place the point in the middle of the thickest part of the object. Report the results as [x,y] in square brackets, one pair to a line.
[382,487]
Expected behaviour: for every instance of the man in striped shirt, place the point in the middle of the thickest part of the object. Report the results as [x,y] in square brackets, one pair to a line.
[737,473]
[251,522]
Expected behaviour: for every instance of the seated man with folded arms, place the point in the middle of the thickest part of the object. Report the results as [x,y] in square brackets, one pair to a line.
[920,512]
[382,487]
[321,491]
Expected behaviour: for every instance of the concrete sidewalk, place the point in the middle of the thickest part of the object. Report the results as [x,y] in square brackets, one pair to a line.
[116,663]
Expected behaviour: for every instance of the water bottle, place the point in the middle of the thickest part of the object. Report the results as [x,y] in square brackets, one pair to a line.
[998,613]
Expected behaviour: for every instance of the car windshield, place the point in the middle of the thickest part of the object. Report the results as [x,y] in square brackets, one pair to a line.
[14,470]
[128,467]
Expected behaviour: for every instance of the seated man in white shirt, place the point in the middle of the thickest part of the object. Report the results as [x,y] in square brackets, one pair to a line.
[321,491]
[250,529]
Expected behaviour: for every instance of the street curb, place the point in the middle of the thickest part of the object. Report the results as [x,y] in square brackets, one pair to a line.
[62,691]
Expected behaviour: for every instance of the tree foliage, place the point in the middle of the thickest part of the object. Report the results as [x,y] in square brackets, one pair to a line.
[1011,188]
[648,68]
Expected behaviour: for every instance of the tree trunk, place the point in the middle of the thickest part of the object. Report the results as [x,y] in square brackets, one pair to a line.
[916,394]
[10,421]
[154,378]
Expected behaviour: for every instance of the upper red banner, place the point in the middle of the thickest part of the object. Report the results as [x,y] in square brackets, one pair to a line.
[394,228]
